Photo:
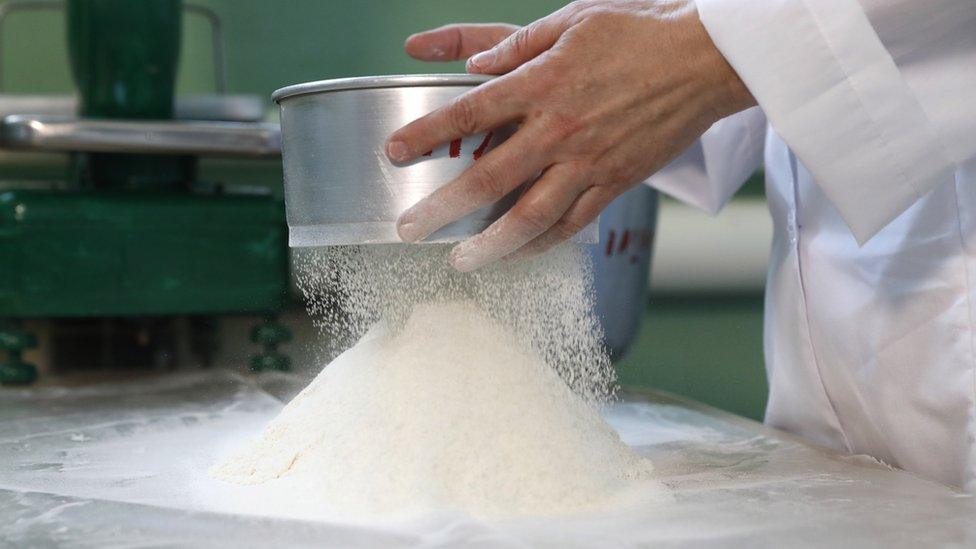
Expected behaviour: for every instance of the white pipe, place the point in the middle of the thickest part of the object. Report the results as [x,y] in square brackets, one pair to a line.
[695,252]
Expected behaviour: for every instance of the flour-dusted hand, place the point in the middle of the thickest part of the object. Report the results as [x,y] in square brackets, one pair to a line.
[606,92]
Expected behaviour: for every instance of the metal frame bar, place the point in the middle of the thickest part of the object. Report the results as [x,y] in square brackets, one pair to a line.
[66,134]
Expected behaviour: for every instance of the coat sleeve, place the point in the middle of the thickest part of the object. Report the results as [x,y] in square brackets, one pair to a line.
[874,97]
[716,165]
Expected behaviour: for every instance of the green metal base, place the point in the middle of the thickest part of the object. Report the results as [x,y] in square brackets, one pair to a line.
[270,362]
[17,373]
[140,253]
[14,340]
[270,335]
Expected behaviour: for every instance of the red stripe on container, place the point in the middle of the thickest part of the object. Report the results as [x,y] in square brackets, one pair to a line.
[484,145]
[624,240]
[455,148]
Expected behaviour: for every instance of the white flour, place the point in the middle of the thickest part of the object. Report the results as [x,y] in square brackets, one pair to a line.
[440,406]
[448,414]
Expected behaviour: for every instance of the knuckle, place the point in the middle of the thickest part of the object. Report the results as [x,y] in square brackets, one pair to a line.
[580,10]
[457,45]
[519,43]
[577,6]
[488,182]
[566,228]
[563,126]
[463,115]
[533,215]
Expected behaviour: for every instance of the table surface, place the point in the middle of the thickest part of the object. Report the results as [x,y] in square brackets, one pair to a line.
[124,464]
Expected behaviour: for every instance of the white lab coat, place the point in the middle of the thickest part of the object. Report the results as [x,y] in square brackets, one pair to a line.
[868,132]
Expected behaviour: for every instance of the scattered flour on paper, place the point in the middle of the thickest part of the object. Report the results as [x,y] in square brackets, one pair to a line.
[440,406]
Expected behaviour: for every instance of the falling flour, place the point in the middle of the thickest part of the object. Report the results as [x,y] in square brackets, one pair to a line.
[444,404]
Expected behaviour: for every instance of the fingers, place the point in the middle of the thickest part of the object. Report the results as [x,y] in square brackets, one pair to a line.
[487,106]
[539,209]
[521,46]
[584,211]
[453,42]
[489,179]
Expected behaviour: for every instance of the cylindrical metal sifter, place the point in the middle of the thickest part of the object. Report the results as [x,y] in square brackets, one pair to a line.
[339,186]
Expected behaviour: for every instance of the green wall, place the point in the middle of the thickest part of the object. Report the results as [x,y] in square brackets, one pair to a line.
[271,43]
[706,347]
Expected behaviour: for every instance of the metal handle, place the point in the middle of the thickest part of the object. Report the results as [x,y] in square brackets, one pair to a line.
[216,43]
[66,134]
[216,32]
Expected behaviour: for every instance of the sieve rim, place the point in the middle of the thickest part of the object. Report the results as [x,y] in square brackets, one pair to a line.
[384,81]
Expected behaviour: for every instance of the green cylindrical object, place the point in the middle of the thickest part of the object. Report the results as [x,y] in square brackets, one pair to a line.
[124,55]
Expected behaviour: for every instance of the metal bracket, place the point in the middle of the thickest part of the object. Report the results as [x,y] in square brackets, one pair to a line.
[216,43]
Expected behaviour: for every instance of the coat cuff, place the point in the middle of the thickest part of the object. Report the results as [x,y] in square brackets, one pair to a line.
[709,172]
[832,92]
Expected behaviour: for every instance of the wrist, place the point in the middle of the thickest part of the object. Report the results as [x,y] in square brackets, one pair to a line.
[737,96]
[727,93]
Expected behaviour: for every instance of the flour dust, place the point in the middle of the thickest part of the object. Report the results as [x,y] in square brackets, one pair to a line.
[547,301]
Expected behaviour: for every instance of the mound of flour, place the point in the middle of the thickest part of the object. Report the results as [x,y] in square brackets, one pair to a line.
[447,412]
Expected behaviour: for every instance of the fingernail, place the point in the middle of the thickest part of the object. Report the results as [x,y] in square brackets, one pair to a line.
[481,61]
[408,232]
[409,229]
[469,255]
[397,151]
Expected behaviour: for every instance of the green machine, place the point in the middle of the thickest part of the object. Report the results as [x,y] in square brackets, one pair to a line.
[132,237]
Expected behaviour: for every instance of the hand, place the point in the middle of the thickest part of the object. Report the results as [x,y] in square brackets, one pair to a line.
[605,92]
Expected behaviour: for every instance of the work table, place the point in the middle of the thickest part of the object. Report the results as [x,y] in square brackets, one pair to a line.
[124,464]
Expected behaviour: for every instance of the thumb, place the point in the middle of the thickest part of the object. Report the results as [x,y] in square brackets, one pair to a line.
[520,47]
[453,42]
